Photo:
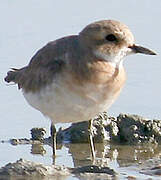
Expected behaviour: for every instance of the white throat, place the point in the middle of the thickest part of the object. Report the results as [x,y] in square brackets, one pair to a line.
[115,59]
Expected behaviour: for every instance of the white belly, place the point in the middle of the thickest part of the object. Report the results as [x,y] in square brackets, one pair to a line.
[61,104]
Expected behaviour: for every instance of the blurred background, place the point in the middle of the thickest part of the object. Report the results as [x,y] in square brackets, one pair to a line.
[26,26]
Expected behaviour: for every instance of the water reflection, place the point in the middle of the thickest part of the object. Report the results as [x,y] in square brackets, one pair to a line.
[38,149]
[123,155]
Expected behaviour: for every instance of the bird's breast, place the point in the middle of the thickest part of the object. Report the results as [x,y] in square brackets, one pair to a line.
[66,100]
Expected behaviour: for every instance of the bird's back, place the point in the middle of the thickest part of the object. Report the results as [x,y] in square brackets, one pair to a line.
[44,65]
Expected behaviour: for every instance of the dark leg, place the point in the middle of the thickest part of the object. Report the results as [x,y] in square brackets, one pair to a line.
[53,138]
[90,129]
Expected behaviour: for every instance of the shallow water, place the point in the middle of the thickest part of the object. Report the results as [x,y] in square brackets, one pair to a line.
[27,26]
[126,161]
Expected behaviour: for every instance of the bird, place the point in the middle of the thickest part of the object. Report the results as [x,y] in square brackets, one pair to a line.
[74,78]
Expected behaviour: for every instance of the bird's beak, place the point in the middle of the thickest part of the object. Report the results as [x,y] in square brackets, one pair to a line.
[140,49]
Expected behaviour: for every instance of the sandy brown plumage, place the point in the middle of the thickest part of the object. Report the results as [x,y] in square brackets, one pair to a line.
[44,65]
[74,78]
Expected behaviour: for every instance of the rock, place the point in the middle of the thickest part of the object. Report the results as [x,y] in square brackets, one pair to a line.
[27,168]
[94,169]
[95,172]
[132,178]
[14,142]
[23,169]
[105,129]
[38,133]
[20,141]
[134,129]
[124,129]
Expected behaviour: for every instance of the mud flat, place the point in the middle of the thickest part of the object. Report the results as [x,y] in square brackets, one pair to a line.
[23,169]
[128,130]
[124,129]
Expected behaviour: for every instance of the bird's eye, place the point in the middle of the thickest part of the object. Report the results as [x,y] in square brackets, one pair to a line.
[111,37]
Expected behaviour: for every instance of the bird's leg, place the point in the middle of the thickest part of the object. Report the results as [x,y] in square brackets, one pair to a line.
[90,129]
[53,138]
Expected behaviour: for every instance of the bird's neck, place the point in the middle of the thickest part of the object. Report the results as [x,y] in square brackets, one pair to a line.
[115,60]
[97,71]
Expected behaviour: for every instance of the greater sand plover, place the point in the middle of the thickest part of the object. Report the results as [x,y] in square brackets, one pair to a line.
[75,78]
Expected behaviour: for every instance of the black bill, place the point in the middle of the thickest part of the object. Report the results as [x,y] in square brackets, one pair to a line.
[143,50]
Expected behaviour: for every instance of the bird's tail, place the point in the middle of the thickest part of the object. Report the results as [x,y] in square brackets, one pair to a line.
[12,75]
[16,76]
